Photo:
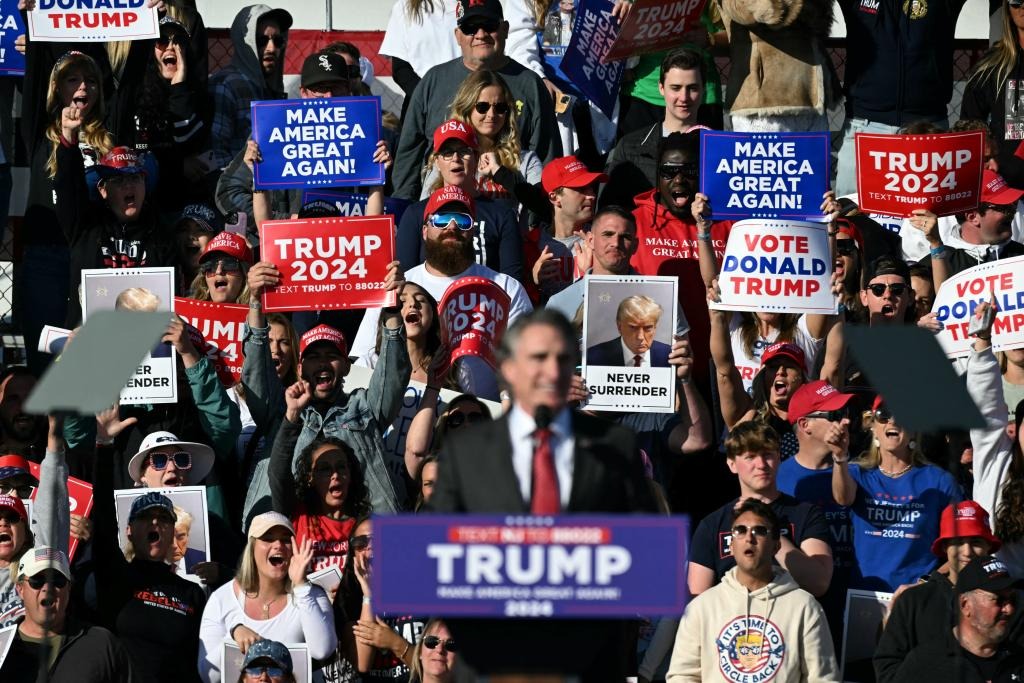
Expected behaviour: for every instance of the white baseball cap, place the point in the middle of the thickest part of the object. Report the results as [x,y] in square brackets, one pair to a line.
[42,558]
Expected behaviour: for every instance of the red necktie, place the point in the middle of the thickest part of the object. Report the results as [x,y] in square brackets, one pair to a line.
[546,499]
[636,360]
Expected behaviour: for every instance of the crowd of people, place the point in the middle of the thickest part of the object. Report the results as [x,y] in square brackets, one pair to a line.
[799,478]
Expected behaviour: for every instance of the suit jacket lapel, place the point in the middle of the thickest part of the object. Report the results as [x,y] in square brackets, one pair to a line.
[505,484]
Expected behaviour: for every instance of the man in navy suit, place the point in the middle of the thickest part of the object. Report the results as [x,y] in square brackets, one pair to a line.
[637,319]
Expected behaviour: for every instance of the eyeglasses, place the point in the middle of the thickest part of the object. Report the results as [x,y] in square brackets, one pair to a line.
[750,649]
[849,247]
[500,108]
[56,579]
[458,418]
[451,154]
[229,264]
[440,221]
[361,542]
[882,415]
[758,530]
[897,288]
[164,41]
[448,644]
[278,39]
[182,460]
[257,670]
[1005,209]
[123,180]
[470,28]
[830,415]
[19,491]
[10,516]
[670,171]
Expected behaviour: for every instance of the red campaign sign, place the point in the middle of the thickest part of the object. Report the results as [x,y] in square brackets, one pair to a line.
[79,499]
[221,327]
[329,263]
[898,174]
[655,26]
[474,315]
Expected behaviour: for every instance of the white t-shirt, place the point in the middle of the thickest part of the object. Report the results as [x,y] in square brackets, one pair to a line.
[424,43]
[750,364]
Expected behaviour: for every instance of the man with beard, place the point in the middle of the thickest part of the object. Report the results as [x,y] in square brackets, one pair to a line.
[23,434]
[976,648]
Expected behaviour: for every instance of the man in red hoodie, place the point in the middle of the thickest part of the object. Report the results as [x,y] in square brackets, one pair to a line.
[669,221]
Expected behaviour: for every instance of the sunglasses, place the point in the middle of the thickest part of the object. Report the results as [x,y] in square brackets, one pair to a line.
[878,289]
[758,530]
[830,415]
[452,154]
[457,419]
[182,460]
[440,221]
[56,579]
[500,108]
[10,516]
[229,264]
[164,41]
[448,644]
[280,40]
[19,491]
[670,171]
[470,28]
[848,247]
[1016,4]
[123,180]
[882,415]
[258,670]
[1005,209]
[361,542]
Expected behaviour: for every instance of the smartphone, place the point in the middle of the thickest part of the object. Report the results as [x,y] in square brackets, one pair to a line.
[978,325]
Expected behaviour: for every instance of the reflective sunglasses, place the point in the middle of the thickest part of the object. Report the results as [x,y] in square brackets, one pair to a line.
[361,542]
[882,415]
[448,644]
[670,171]
[440,221]
[280,40]
[451,154]
[458,418]
[470,28]
[830,415]
[500,108]
[257,670]
[164,41]
[758,530]
[229,264]
[182,460]
[878,289]
[56,579]
[849,247]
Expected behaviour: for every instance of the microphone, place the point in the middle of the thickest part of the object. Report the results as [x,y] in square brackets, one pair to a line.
[542,415]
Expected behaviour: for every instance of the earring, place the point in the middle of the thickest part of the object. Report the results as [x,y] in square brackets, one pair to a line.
[875,442]
[912,445]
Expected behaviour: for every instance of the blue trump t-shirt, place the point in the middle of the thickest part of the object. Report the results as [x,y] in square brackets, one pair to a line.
[895,521]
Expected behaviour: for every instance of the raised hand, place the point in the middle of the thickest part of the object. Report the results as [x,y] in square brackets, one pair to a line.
[302,556]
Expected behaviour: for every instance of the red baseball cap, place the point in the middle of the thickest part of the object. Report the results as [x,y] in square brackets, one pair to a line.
[449,194]
[962,520]
[453,129]
[323,333]
[12,503]
[994,189]
[231,244]
[785,350]
[568,172]
[847,227]
[16,466]
[814,396]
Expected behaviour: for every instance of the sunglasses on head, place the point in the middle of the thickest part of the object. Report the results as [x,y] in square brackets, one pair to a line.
[182,460]
[361,542]
[670,171]
[257,670]
[758,530]
[448,644]
[280,40]
[830,415]
[847,247]
[229,264]
[882,415]
[458,418]
[897,288]
[440,221]
[500,108]
[56,579]
[470,28]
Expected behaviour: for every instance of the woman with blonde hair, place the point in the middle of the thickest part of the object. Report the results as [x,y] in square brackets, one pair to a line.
[433,658]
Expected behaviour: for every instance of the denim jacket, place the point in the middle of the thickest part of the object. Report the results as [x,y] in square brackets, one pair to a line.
[361,418]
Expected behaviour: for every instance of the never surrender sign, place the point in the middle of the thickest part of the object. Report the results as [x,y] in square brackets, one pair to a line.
[12,62]
[222,327]
[962,293]
[317,143]
[329,263]
[898,174]
[593,33]
[474,315]
[494,566]
[92,21]
[777,266]
[765,175]
[655,26]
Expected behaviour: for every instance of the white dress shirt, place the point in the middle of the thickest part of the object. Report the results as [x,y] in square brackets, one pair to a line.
[563,444]
[628,355]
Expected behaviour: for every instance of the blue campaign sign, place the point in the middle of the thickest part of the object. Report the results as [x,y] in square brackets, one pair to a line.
[354,204]
[765,175]
[594,31]
[496,566]
[317,143]
[12,62]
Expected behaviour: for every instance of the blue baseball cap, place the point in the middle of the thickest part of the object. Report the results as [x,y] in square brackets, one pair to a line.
[269,649]
[204,216]
[149,501]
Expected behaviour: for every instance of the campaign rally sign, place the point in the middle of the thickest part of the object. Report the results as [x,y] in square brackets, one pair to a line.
[193,521]
[92,21]
[626,317]
[222,327]
[329,263]
[779,266]
[655,26]
[898,174]
[137,289]
[354,204]
[593,33]
[474,315]
[498,566]
[12,62]
[961,294]
[79,501]
[317,143]
[765,175]
[863,619]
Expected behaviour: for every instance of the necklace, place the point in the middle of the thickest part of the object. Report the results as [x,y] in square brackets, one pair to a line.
[897,473]
[266,606]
